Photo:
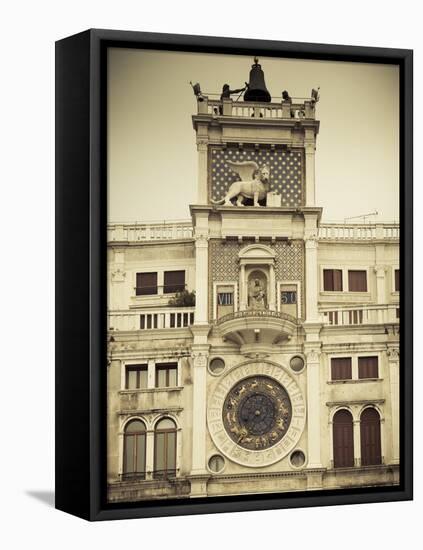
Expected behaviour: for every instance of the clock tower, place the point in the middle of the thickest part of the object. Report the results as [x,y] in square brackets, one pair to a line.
[256,344]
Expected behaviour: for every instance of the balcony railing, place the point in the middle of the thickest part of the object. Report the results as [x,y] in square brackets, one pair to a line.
[274,110]
[254,313]
[160,318]
[165,231]
[149,231]
[358,232]
[361,315]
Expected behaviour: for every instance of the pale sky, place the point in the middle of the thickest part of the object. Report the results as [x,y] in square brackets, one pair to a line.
[152,156]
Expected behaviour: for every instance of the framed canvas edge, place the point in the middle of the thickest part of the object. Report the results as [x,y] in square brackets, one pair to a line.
[92,505]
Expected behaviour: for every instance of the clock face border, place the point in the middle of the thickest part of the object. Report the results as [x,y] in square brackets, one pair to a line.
[270,455]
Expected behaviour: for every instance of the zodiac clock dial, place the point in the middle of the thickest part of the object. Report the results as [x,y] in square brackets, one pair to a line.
[257,412]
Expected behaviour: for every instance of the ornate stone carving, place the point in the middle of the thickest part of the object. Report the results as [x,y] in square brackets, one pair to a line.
[275,444]
[200,359]
[257,295]
[393,354]
[312,356]
[118,276]
[257,412]
[254,183]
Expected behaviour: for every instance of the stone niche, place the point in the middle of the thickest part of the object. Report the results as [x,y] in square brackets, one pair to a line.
[257,278]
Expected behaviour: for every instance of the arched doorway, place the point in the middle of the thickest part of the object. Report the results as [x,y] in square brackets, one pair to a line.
[343,439]
[371,452]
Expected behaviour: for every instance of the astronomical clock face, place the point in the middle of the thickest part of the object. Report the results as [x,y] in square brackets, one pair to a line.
[257,413]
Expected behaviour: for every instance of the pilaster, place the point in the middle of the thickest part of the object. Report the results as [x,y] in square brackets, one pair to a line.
[393,360]
[202,145]
[199,358]
[310,173]
[312,352]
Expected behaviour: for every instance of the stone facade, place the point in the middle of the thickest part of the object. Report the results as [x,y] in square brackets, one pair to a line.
[306,311]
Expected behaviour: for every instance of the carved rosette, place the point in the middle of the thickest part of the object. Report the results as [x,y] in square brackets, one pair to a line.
[256,414]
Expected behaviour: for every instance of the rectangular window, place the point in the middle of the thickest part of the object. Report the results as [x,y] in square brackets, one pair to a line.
[357,281]
[341,368]
[146,284]
[136,377]
[397,280]
[167,375]
[332,280]
[368,367]
[174,281]
[225,299]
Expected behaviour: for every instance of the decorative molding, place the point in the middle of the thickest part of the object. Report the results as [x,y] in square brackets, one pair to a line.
[355,402]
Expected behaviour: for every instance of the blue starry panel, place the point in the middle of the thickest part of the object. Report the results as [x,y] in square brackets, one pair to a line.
[286,171]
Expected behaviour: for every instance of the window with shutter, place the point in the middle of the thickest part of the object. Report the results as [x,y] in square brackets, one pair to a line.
[174,281]
[371,452]
[136,377]
[343,439]
[397,280]
[357,281]
[332,280]
[146,284]
[368,367]
[166,375]
[341,368]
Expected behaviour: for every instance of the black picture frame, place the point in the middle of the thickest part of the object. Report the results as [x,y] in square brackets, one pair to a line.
[81,273]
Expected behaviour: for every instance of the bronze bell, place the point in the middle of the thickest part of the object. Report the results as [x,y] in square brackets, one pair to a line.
[257,90]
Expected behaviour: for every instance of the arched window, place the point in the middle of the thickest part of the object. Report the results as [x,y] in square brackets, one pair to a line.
[370,437]
[134,450]
[343,439]
[165,449]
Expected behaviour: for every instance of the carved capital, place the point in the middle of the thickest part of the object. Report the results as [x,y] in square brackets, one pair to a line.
[380,270]
[202,144]
[201,238]
[200,359]
[393,354]
[118,276]
[311,240]
[312,355]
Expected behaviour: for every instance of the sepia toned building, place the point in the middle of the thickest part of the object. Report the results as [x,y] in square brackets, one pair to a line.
[254,347]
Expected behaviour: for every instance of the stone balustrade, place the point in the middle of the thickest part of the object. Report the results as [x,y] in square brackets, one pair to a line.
[149,231]
[281,110]
[177,230]
[160,318]
[361,315]
[358,232]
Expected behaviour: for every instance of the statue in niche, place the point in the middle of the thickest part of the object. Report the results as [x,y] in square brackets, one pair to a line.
[254,183]
[256,294]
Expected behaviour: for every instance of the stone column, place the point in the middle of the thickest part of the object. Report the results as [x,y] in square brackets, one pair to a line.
[393,360]
[199,371]
[313,405]
[242,293]
[311,276]
[380,289]
[201,279]
[202,170]
[357,442]
[272,293]
[151,374]
[309,173]
[149,455]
